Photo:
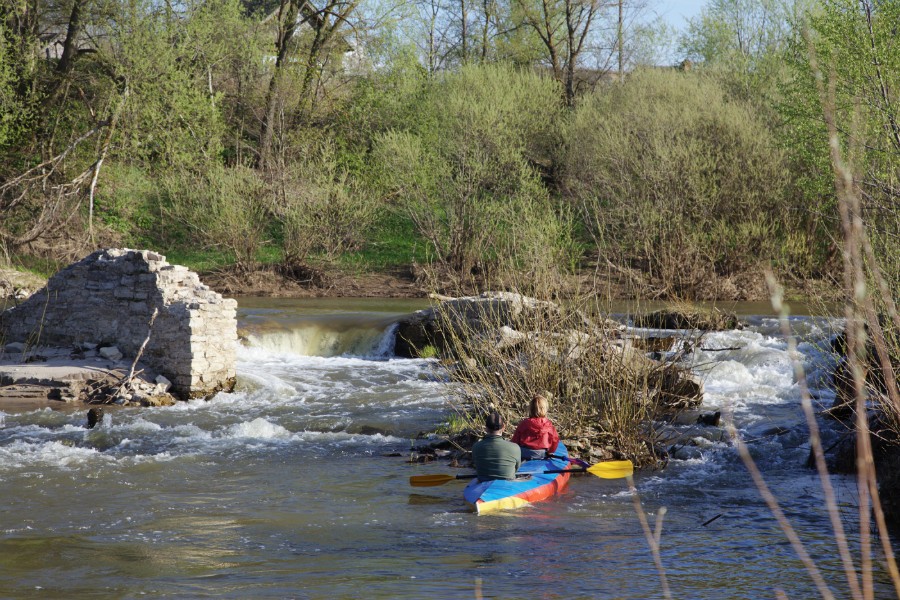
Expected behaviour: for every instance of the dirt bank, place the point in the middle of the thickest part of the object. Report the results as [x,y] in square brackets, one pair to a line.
[405,282]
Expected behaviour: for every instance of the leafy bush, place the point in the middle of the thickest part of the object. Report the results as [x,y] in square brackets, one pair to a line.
[321,207]
[467,168]
[222,207]
[674,178]
[850,51]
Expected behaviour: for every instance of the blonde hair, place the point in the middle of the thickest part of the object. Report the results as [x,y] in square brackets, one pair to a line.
[538,406]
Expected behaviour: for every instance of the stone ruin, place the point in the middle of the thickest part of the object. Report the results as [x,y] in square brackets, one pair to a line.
[108,299]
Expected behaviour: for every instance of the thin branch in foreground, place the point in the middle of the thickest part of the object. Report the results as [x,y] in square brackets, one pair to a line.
[652,538]
[783,522]
[815,439]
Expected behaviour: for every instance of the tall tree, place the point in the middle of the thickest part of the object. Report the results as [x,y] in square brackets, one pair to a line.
[326,24]
[744,40]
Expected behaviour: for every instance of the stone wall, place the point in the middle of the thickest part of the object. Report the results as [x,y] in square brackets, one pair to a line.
[108,299]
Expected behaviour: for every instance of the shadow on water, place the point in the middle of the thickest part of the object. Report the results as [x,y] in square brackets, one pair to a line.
[424,499]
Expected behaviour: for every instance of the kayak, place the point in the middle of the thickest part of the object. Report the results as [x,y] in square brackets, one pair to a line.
[531,484]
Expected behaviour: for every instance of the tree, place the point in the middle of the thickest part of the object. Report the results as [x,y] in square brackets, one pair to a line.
[849,48]
[464,170]
[142,93]
[744,41]
[326,23]
[582,40]
[563,27]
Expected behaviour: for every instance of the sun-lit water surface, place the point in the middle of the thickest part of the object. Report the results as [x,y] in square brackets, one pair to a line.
[295,485]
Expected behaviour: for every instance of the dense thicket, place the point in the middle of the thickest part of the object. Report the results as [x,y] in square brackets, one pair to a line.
[478,138]
[676,179]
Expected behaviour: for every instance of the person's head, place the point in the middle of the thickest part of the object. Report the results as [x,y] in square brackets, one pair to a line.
[538,406]
[493,422]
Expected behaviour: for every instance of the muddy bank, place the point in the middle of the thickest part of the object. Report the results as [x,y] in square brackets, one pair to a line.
[277,281]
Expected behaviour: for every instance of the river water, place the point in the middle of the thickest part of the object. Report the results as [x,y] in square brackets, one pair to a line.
[296,485]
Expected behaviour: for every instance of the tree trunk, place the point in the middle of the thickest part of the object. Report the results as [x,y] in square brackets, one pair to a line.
[287,23]
[70,47]
[620,39]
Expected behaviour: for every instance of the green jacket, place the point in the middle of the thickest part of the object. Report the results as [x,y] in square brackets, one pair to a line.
[496,458]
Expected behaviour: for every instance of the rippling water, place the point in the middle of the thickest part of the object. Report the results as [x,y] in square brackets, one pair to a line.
[291,486]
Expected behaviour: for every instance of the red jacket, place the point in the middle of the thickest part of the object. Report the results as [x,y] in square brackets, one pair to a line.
[536,433]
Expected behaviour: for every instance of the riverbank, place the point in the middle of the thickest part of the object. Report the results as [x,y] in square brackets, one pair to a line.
[275,281]
[410,282]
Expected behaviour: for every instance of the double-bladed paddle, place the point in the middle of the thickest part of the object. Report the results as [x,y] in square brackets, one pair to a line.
[612,469]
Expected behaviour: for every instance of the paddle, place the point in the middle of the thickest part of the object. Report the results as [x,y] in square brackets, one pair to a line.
[613,469]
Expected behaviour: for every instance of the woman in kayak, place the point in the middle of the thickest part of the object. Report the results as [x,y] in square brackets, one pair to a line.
[536,435]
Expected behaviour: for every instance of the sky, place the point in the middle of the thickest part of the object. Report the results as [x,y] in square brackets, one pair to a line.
[677,12]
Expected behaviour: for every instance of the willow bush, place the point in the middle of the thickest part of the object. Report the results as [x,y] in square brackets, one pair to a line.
[467,170]
[604,393]
[674,179]
[226,208]
[321,207]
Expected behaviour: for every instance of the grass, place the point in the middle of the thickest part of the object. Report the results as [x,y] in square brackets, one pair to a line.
[394,243]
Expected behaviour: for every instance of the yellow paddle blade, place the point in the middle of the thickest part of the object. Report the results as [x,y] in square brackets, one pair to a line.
[612,469]
[430,480]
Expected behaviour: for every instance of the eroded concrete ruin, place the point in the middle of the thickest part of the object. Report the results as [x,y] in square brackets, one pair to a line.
[109,299]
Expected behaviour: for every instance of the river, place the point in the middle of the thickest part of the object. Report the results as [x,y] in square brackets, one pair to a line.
[296,485]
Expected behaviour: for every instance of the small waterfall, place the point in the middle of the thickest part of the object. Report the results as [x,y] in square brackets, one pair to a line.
[364,337]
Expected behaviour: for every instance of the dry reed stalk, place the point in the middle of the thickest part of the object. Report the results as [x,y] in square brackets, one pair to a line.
[859,313]
[815,441]
[783,521]
[653,538]
[858,307]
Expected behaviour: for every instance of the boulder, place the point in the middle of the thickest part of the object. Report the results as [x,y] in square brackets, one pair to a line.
[484,314]
[688,318]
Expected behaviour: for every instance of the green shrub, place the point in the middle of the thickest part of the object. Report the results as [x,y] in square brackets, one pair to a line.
[466,169]
[223,207]
[321,207]
[672,177]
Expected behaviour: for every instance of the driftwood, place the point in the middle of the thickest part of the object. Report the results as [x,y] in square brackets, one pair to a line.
[128,382]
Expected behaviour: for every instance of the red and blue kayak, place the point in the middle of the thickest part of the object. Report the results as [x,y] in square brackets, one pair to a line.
[531,484]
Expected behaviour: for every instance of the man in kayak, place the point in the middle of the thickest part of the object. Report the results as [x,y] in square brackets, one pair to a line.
[494,457]
[536,435]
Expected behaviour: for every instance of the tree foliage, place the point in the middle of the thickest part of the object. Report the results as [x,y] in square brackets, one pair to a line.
[673,178]
[465,170]
[845,62]
[743,42]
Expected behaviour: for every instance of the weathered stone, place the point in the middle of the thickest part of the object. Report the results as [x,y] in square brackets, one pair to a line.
[109,297]
[111,353]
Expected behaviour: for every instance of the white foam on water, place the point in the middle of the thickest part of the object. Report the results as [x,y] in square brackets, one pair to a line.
[316,339]
[22,454]
[258,428]
[344,438]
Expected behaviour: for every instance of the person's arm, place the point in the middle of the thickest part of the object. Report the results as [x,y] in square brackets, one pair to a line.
[517,435]
[552,439]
